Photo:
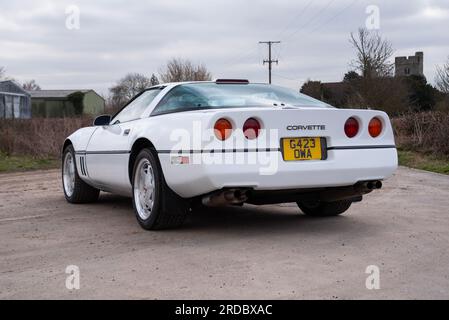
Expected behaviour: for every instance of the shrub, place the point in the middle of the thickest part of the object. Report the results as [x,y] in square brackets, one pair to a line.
[39,137]
[425,132]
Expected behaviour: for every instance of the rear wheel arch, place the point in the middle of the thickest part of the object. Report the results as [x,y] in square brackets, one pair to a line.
[138,146]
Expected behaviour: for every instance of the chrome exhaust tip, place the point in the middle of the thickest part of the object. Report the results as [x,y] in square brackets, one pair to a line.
[373,185]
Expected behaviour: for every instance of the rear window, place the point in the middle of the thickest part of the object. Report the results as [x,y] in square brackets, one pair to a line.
[197,96]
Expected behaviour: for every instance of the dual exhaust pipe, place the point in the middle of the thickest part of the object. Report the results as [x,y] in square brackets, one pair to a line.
[373,185]
[225,198]
[367,186]
[352,192]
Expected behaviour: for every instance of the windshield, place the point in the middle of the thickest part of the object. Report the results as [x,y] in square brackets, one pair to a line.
[196,96]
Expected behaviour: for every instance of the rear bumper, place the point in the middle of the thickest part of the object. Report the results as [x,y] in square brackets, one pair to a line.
[342,168]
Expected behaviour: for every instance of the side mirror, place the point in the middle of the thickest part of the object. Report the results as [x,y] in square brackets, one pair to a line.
[102,120]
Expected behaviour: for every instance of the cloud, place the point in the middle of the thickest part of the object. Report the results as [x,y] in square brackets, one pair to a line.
[118,36]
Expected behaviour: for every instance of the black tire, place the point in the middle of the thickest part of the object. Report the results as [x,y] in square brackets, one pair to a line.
[324,209]
[169,210]
[82,192]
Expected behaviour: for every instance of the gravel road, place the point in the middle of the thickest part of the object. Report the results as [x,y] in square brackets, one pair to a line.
[268,252]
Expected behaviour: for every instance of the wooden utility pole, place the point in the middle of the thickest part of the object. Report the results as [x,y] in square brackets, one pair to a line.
[269,61]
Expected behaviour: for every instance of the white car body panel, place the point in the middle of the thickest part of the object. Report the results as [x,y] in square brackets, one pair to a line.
[108,153]
[103,153]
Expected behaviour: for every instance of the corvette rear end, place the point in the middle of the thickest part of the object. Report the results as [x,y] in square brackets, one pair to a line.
[304,148]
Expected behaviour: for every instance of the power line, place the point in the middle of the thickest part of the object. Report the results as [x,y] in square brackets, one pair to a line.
[326,22]
[270,61]
[335,16]
[288,78]
[328,4]
[241,56]
[295,18]
[251,51]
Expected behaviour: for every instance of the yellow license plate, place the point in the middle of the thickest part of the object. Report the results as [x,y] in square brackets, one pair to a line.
[298,149]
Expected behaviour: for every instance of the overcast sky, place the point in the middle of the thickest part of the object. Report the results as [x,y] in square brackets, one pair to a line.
[116,37]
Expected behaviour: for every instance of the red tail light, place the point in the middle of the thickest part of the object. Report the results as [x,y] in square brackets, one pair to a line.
[222,129]
[251,128]
[375,127]
[351,127]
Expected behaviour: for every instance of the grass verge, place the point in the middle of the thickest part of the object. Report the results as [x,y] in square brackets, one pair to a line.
[24,163]
[421,161]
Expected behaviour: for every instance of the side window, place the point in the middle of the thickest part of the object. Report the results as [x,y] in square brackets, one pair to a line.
[180,98]
[134,110]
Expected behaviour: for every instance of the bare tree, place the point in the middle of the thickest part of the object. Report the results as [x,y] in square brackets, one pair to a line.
[373,54]
[31,86]
[442,77]
[2,72]
[184,70]
[154,81]
[128,87]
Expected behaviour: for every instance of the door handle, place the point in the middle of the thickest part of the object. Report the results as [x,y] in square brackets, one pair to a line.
[126,132]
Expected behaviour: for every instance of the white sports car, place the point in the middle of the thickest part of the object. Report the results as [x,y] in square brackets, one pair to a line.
[229,142]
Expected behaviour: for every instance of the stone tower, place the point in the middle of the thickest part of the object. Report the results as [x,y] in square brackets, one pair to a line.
[407,66]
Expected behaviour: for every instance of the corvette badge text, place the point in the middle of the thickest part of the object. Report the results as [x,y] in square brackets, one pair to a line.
[225,309]
[307,127]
